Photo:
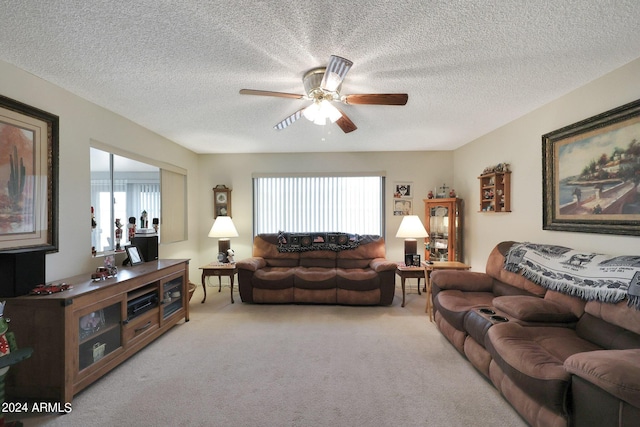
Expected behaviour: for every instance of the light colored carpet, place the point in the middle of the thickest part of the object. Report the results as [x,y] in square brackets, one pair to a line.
[293,365]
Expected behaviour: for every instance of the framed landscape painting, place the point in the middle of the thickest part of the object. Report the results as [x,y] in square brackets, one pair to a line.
[28,177]
[591,172]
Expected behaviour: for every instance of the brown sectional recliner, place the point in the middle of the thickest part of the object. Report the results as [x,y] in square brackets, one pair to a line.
[358,276]
[559,360]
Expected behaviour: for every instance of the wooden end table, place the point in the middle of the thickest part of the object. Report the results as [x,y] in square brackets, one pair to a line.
[409,273]
[439,265]
[218,269]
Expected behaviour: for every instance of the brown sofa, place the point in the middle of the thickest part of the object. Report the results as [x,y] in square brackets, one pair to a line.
[559,360]
[356,274]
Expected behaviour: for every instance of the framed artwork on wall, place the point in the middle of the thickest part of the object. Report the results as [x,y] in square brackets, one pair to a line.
[591,172]
[28,177]
[402,190]
[221,201]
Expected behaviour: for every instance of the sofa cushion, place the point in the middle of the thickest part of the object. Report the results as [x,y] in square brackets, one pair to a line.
[326,259]
[264,247]
[273,278]
[357,279]
[615,371]
[533,357]
[619,314]
[534,309]
[353,263]
[606,335]
[315,278]
[495,269]
[369,250]
[453,305]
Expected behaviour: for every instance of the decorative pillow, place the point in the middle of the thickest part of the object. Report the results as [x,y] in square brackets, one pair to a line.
[302,242]
[534,309]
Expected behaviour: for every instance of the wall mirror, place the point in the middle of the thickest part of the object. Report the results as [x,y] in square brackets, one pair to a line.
[121,188]
[125,186]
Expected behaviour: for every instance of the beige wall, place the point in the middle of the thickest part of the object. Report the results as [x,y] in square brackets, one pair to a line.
[520,144]
[425,169]
[81,121]
[517,143]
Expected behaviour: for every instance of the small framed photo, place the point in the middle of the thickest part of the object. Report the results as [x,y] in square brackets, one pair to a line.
[408,260]
[134,256]
[402,190]
[402,207]
[416,260]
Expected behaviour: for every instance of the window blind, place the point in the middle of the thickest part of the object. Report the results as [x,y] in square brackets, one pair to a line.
[349,204]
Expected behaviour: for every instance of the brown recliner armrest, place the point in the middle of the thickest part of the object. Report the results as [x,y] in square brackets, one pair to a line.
[382,264]
[534,309]
[615,371]
[462,280]
[252,264]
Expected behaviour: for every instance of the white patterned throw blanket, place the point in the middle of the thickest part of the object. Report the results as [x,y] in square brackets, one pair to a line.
[589,276]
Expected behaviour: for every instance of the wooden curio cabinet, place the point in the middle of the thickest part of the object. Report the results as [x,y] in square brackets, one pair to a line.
[443,221]
[495,192]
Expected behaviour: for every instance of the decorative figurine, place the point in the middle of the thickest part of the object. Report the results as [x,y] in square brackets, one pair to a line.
[94,224]
[118,234]
[156,224]
[230,255]
[132,227]
[452,193]
[4,342]
[144,222]
[430,195]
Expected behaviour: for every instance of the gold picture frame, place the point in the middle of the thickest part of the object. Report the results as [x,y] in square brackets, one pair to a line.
[29,193]
[221,201]
[591,174]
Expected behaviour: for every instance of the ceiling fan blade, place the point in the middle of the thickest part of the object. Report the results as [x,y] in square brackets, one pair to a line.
[345,123]
[270,93]
[336,70]
[377,99]
[289,120]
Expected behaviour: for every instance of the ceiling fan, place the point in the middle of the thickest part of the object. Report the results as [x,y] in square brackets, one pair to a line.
[322,86]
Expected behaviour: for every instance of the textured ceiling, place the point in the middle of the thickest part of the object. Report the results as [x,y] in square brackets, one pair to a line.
[176,67]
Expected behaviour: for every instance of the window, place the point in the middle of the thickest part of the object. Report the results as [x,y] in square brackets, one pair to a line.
[350,204]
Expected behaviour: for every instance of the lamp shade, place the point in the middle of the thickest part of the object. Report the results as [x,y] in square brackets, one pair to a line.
[223,228]
[411,227]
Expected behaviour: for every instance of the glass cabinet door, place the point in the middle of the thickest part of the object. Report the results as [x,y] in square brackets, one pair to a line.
[99,333]
[443,221]
[172,296]
[439,234]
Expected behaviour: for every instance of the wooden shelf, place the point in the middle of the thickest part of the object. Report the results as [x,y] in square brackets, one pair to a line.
[495,192]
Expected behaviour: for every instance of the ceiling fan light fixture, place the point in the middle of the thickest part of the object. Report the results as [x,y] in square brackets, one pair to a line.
[320,111]
[322,87]
[329,111]
[311,112]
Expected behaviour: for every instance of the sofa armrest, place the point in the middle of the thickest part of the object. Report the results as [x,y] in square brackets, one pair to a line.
[615,371]
[462,280]
[252,264]
[534,309]
[382,264]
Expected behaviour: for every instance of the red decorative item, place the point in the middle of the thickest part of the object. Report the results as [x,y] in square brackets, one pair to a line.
[49,289]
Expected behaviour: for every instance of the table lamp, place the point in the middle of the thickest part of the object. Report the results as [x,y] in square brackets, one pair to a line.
[223,228]
[411,228]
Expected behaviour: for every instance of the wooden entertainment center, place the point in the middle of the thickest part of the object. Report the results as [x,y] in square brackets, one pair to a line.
[80,334]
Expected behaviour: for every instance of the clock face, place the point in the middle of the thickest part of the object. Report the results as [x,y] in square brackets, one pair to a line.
[221,198]
[220,257]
